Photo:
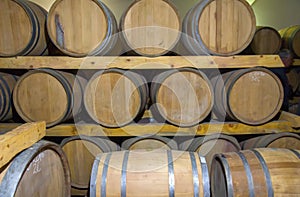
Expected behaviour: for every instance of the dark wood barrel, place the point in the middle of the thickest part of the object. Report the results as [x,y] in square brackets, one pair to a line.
[41,170]
[48,95]
[183,97]
[115,97]
[252,96]
[22,28]
[259,172]
[150,27]
[291,39]
[294,80]
[218,27]
[266,41]
[278,140]
[149,143]
[7,83]
[154,173]
[81,152]
[210,145]
[82,27]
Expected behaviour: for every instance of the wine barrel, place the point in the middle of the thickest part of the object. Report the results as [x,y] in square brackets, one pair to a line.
[210,145]
[48,95]
[278,140]
[115,97]
[81,152]
[82,27]
[156,173]
[218,27]
[7,83]
[22,28]
[183,97]
[266,40]
[294,80]
[291,39]
[41,170]
[252,96]
[150,27]
[259,172]
[149,143]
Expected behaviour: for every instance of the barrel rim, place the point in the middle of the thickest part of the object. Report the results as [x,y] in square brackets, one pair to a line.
[167,141]
[159,79]
[280,100]
[61,80]
[35,30]
[87,89]
[128,46]
[10,185]
[92,51]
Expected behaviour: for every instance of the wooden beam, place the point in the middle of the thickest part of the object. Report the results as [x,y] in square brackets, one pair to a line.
[296,62]
[230,128]
[137,62]
[20,138]
[292,118]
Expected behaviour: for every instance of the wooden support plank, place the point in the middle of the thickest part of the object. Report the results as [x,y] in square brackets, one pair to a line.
[20,138]
[231,128]
[137,62]
[292,118]
[296,62]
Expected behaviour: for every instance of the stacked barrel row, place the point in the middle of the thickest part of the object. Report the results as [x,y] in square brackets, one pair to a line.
[148,27]
[115,98]
[214,166]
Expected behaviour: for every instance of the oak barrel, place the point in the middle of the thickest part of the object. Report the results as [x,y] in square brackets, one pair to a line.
[115,97]
[149,143]
[294,80]
[82,27]
[259,172]
[142,173]
[81,152]
[7,83]
[48,95]
[219,27]
[41,170]
[183,97]
[278,140]
[22,28]
[150,27]
[266,41]
[291,39]
[252,96]
[210,145]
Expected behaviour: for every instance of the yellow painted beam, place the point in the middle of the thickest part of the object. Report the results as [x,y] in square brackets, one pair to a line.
[137,62]
[20,138]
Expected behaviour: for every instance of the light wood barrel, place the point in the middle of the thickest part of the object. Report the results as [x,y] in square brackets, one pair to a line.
[149,143]
[252,96]
[22,28]
[150,27]
[266,40]
[115,97]
[183,97]
[41,170]
[142,173]
[294,80]
[48,95]
[219,27]
[210,145]
[81,152]
[278,140]
[7,83]
[82,27]
[291,39]
[259,172]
